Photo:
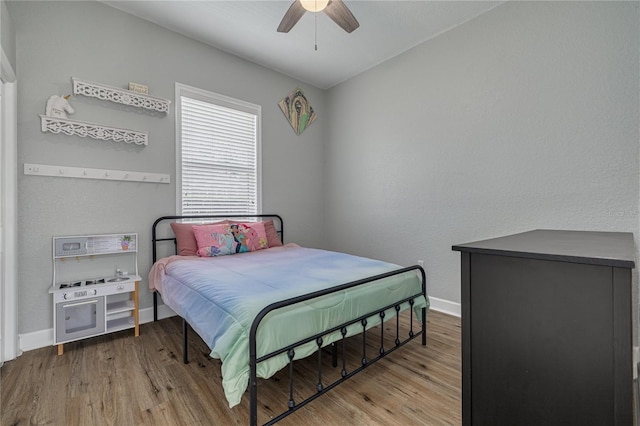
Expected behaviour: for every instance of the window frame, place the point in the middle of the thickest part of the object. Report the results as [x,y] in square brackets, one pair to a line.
[227,102]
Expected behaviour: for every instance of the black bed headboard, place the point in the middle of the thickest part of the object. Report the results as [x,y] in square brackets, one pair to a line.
[278,223]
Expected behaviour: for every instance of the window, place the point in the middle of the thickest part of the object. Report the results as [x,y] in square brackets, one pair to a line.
[218,153]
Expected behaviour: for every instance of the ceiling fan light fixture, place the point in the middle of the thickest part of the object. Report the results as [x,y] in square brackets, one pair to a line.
[314,5]
[336,10]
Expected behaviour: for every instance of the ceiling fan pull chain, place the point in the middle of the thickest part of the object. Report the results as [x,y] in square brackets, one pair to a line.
[316,30]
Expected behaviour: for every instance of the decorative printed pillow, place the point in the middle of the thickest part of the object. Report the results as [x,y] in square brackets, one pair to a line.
[273,238]
[229,238]
[185,240]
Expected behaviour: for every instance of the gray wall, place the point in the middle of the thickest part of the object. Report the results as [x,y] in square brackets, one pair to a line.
[7,35]
[88,40]
[524,118]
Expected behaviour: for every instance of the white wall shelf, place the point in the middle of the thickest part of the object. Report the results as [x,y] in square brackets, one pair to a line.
[87,173]
[117,95]
[93,130]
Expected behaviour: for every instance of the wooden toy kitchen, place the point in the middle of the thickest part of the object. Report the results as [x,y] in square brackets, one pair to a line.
[95,286]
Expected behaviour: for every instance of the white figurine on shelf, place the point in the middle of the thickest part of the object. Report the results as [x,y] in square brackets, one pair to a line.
[58,106]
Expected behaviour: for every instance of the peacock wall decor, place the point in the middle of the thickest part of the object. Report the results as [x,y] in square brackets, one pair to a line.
[298,111]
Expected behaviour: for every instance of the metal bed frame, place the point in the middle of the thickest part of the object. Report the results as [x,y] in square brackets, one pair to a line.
[321,387]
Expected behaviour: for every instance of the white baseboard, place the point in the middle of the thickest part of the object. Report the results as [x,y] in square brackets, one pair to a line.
[146,314]
[445,306]
[35,340]
[42,338]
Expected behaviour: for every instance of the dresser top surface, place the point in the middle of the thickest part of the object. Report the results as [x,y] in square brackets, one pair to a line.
[596,248]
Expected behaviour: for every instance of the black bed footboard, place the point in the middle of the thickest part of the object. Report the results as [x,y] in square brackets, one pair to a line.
[322,387]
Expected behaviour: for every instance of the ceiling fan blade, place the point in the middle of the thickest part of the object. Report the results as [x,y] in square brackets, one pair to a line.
[292,16]
[341,15]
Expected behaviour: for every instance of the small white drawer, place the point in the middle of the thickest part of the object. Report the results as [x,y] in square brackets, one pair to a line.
[123,286]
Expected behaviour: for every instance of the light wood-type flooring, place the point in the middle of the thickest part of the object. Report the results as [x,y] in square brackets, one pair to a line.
[120,380]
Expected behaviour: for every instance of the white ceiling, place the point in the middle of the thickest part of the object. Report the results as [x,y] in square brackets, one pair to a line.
[247,28]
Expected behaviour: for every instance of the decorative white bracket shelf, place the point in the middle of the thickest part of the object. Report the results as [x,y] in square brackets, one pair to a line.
[95,131]
[120,96]
[86,173]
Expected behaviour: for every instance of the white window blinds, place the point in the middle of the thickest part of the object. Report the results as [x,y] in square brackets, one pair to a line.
[219,147]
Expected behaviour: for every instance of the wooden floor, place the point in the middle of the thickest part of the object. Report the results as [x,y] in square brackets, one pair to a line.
[123,380]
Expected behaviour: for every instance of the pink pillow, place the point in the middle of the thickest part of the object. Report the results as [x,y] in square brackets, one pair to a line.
[186,241]
[229,238]
[273,238]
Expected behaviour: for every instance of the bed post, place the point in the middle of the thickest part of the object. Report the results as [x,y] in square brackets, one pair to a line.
[155,306]
[424,326]
[253,381]
[154,255]
[185,337]
[424,310]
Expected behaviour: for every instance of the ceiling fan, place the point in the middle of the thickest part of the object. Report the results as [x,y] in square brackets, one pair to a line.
[335,9]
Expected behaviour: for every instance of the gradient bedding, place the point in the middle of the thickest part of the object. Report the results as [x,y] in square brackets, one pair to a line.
[220,297]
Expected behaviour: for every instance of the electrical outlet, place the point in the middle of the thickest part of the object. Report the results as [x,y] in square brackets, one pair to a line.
[421,263]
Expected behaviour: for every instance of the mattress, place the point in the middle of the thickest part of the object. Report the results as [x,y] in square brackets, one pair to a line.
[220,297]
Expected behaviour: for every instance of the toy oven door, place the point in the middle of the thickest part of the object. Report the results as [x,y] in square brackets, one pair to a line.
[80,318]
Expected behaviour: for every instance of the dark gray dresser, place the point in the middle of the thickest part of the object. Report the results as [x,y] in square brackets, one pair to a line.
[547,329]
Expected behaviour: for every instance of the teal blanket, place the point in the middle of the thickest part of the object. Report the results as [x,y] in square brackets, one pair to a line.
[221,296]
